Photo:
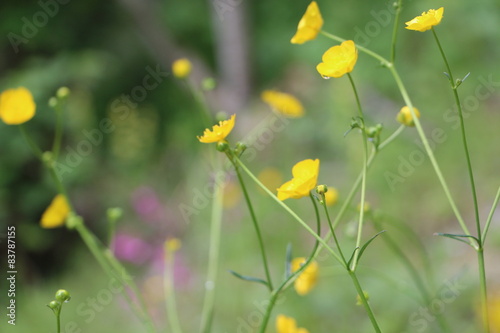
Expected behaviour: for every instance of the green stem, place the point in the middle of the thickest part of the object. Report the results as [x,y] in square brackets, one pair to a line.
[363,174]
[430,153]
[454,88]
[213,257]
[332,231]
[288,209]
[395,29]
[361,294]
[254,220]
[357,183]
[275,294]
[171,306]
[420,131]
[58,319]
[56,147]
[483,291]
[37,151]
[490,216]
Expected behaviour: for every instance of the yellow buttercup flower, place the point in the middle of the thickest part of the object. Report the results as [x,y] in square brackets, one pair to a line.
[404,116]
[493,312]
[283,103]
[331,196]
[426,21]
[55,215]
[305,176]
[16,106]
[338,60]
[218,132]
[306,280]
[181,68]
[286,324]
[172,245]
[309,25]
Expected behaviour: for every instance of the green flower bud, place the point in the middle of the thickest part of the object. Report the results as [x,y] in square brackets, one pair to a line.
[222,146]
[73,220]
[114,214]
[63,296]
[208,84]
[54,305]
[63,92]
[53,102]
[240,148]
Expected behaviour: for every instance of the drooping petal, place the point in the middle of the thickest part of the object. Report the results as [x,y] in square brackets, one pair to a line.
[309,25]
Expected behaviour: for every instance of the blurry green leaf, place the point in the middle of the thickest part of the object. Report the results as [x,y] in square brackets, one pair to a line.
[459,237]
[249,278]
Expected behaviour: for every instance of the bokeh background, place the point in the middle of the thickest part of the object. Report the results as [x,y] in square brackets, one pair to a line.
[152,166]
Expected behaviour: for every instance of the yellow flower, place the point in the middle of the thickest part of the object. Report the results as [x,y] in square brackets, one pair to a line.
[493,312]
[172,245]
[426,21]
[338,60]
[331,196]
[16,106]
[218,132]
[55,215]
[405,118]
[309,25]
[285,104]
[270,177]
[286,324]
[305,177]
[306,280]
[181,68]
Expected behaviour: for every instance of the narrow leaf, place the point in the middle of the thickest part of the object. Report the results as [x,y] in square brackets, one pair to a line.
[458,237]
[288,261]
[363,248]
[249,278]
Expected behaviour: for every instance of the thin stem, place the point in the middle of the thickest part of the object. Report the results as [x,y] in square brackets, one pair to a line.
[332,231]
[428,149]
[399,7]
[275,294]
[490,216]
[363,174]
[483,291]
[213,259]
[36,150]
[56,146]
[288,209]
[454,87]
[254,220]
[171,305]
[361,294]
[58,319]
[357,183]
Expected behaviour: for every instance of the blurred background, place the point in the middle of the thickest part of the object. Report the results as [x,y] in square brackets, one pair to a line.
[151,165]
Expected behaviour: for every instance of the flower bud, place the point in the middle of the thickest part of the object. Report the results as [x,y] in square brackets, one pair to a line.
[321,189]
[358,299]
[222,146]
[63,92]
[405,117]
[114,214]
[54,305]
[73,220]
[240,148]
[63,296]
[53,102]
[208,84]
[181,68]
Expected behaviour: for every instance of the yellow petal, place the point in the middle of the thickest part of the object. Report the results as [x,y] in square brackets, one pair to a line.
[309,25]
[305,176]
[426,21]
[283,103]
[331,196]
[55,215]
[338,60]
[307,279]
[218,132]
[16,106]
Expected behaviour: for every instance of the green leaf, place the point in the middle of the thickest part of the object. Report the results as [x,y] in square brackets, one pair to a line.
[249,278]
[459,237]
[363,248]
